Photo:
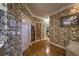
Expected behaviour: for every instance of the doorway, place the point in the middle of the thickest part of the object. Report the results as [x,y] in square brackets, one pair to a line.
[26,35]
[32,33]
[38,31]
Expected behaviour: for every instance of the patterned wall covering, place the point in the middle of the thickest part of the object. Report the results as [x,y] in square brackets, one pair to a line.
[60,35]
[3,27]
[16,9]
[12,22]
[3,30]
[10,34]
[16,13]
[13,44]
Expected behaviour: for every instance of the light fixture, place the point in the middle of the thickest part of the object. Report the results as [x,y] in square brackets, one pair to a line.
[23,20]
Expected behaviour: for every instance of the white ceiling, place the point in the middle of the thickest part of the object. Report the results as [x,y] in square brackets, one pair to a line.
[43,10]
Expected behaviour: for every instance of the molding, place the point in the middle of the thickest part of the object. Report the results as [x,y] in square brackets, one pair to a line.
[66,7]
[38,17]
[25,17]
[32,13]
[35,42]
[24,50]
[57,45]
[28,10]
[62,9]
[38,22]
[32,44]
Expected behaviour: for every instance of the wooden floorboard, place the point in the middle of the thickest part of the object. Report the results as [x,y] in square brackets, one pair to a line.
[44,48]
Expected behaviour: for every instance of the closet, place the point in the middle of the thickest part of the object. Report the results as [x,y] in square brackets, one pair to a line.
[26,35]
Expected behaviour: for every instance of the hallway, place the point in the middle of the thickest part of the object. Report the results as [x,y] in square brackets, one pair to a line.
[44,48]
[38,29]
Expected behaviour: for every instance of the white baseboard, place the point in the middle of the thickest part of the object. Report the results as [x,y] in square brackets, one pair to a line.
[50,43]
[35,42]
[57,45]
[32,43]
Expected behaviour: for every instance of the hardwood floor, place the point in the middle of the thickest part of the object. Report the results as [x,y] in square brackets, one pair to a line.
[43,48]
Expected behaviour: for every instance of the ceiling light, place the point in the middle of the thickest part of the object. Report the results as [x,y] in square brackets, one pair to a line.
[23,20]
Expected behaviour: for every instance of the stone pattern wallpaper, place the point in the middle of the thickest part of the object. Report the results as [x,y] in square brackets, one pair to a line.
[18,10]
[16,13]
[10,34]
[62,35]
[3,30]
[13,44]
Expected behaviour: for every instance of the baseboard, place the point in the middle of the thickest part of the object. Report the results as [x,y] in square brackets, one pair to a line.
[35,41]
[30,45]
[50,43]
[57,45]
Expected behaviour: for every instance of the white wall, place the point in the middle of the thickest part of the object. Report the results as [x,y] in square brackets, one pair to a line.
[26,35]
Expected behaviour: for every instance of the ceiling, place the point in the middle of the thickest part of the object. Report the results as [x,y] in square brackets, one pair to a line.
[43,10]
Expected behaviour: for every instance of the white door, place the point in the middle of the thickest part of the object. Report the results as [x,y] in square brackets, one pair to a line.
[26,35]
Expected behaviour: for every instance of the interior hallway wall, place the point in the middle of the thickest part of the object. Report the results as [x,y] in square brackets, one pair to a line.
[20,13]
[62,35]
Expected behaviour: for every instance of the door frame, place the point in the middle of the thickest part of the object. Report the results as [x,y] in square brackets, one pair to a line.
[41,30]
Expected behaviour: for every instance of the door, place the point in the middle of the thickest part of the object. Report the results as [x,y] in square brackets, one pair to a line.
[26,35]
[38,31]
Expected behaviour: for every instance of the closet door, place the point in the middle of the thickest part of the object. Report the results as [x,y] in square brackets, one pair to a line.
[26,36]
